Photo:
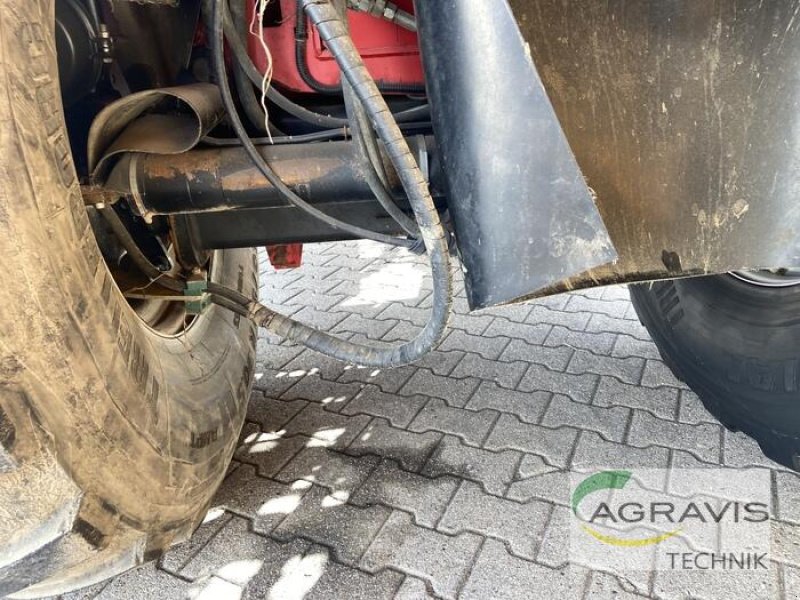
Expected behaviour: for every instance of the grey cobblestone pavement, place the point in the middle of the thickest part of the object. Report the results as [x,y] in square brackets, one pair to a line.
[446,479]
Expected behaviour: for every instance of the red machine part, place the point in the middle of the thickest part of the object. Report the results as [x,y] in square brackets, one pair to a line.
[390,52]
[285,256]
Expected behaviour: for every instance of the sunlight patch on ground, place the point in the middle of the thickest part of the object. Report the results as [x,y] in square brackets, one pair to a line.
[390,283]
[298,576]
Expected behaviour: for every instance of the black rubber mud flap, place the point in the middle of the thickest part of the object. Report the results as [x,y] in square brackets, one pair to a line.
[524,216]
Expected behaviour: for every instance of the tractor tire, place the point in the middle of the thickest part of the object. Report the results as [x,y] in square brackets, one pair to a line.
[737,345]
[113,437]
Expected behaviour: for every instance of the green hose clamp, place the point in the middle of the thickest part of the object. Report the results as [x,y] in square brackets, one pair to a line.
[197,290]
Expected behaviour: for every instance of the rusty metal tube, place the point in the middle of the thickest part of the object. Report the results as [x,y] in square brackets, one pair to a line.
[224,179]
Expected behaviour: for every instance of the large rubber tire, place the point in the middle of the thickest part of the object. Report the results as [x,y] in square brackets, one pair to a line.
[737,345]
[113,438]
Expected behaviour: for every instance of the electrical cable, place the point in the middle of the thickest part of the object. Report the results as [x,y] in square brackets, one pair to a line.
[218,56]
[318,136]
[239,50]
[433,234]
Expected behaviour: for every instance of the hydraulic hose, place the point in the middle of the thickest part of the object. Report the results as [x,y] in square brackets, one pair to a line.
[217,45]
[245,62]
[239,50]
[359,129]
[327,20]
[247,94]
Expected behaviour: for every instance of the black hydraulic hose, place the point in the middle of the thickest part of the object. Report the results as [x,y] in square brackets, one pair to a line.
[239,50]
[327,20]
[377,185]
[325,121]
[217,45]
[374,173]
[317,136]
[247,95]
[301,47]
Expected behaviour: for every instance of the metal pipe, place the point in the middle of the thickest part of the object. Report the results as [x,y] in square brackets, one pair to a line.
[224,179]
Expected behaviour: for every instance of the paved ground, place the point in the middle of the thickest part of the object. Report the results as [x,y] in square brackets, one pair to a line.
[449,478]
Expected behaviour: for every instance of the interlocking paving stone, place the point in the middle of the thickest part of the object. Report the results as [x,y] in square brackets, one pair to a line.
[326,519]
[555,358]
[333,494]
[340,581]
[598,343]
[603,586]
[338,472]
[456,392]
[501,576]
[662,402]
[410,449]
[272,414]
[269,452]
[788,496]
[235,554]
[557,302]
[265,501]
[313,388]
[471,324]
[580,303]
[145,583]
[549,484]
[424,497]
[212,588]
[554,549]
[714,584]
[593,451]
[493,470]
[504,328]
[505,374]
[701,440]
[310,363]
[555,445]
[528,406]
[273,382]
[692,410]
[545,315]
[610,422]
[413,588]
[627,345]
[603,323]
[443,560]
[742,451]
[329,428]
[176,558]
[471,427]
[656,374]
[441,363]
[578,387]
[628,370]
[398,410]
[388,380]
[521,525]
[488,347]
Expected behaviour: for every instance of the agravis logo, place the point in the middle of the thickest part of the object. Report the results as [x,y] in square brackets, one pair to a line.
[661,514]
